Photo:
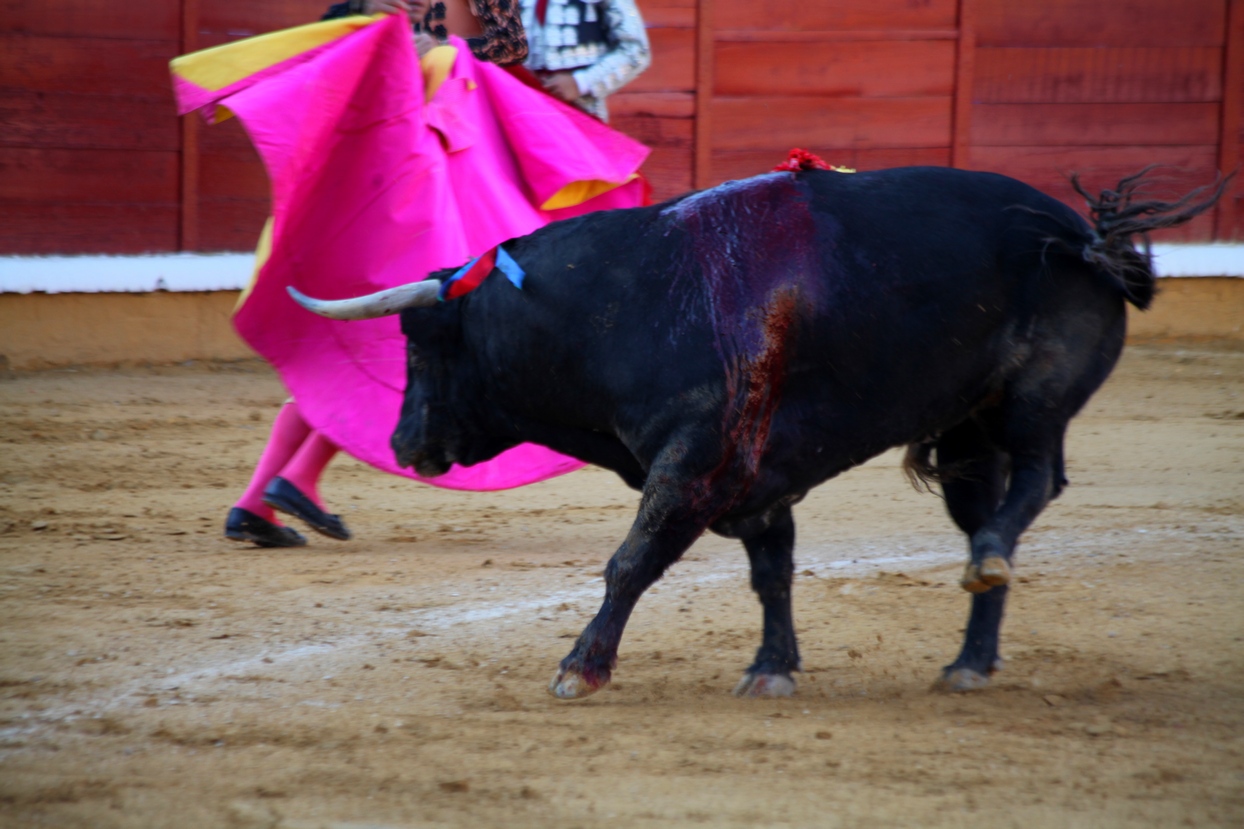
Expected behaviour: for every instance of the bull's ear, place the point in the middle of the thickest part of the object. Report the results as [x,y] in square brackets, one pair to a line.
[380,304]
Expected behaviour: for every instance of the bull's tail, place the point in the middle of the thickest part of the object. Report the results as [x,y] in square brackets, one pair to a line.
[920,468]
[1117,215]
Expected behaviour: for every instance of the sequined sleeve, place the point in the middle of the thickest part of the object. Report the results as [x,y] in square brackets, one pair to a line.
[628,55]
[504,40]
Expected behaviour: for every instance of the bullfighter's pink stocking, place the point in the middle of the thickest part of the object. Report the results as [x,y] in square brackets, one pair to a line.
[289,432]
[305,468]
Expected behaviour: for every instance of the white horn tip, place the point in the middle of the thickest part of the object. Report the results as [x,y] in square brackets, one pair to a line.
[315,306]
[299,297]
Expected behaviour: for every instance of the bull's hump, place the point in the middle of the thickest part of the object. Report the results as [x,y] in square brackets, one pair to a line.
[743,240]
[737,193]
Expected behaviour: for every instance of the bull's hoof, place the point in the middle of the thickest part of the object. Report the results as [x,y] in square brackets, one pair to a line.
[971,579]
[960,680]
[995,571]
[991,572]
[573,685]
[765,685]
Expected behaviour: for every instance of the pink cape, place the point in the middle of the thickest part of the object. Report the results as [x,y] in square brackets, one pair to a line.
[372,188]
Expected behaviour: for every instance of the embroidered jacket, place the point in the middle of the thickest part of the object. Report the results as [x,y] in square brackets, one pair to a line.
[503,41]
[602,41]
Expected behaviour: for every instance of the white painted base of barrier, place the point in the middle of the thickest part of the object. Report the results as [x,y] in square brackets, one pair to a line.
[126,274]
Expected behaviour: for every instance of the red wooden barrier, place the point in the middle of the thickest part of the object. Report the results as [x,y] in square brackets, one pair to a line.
[833,15]
[1230,223]
[92,158]
[1069,23]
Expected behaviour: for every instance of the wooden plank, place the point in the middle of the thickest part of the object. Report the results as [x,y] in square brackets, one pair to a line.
[702,150]
[226,136]
[190,163]
[1094,124]
[209,39]
[831,35]
[190,127]
[231,224]
[91,18]
[237,19]
[965,77]
[1047,168]
[673,62]
[113,176]
[879,69]
[669,166]
[1229,223]
[884,158]
[662,104]
[760,123]
[657,132]
[799,15]
[57,228]
[668,170]
[68,120]
[1119,75]
[1095,23]
[87,65]
[736,164]
[1233,232]
[233,176]
[680,13]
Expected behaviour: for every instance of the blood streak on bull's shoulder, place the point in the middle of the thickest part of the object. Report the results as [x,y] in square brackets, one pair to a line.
[748,256]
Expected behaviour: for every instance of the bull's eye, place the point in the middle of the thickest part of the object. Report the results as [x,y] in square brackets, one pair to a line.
[414,361]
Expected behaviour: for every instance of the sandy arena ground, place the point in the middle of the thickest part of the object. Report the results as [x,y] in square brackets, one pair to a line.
[153,674]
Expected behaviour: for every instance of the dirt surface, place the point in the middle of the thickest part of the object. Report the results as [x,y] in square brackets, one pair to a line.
[154,674]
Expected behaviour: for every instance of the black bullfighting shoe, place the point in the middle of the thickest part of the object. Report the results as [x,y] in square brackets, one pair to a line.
[281,494]
[244,525]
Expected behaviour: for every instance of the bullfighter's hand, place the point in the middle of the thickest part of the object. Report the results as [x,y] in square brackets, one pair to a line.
[416,10]
[562,85]
[425,43]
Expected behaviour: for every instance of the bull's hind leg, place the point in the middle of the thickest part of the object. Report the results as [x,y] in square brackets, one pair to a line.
[1036,476]
[771,553]
[974,483]
[973,472]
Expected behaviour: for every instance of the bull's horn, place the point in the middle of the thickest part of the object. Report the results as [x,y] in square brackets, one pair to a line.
[379,304]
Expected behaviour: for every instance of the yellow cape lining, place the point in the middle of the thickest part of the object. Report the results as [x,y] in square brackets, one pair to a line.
[436,66]
[577,192]
[220,66]
[262,251]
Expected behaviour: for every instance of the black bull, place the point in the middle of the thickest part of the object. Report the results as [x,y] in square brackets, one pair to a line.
[727,351]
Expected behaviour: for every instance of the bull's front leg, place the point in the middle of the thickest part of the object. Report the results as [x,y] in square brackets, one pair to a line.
[771,553]
[667,524]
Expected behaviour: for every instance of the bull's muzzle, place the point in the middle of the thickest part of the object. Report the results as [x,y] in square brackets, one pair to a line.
[411,453]
[429,467]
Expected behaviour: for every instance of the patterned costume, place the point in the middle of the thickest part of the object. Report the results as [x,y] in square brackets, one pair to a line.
[502,42]
[602,42]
